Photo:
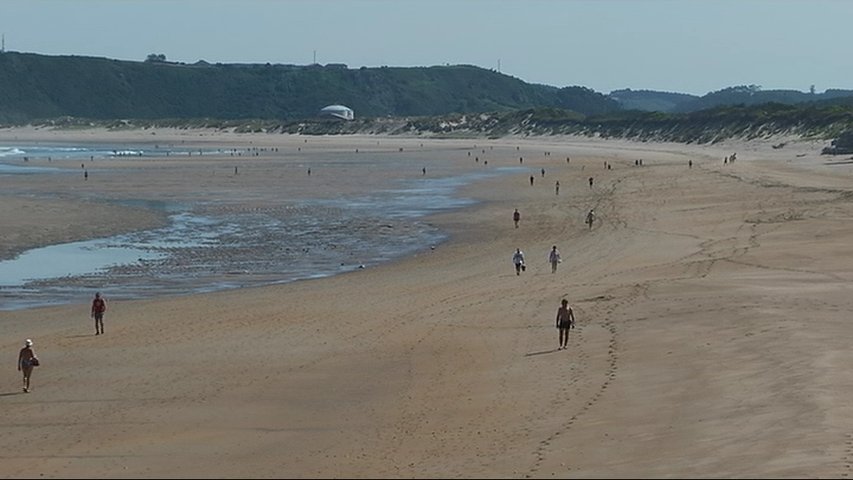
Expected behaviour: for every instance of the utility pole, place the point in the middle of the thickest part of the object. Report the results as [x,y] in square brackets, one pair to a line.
[3,45]
[315,57]
[499,65]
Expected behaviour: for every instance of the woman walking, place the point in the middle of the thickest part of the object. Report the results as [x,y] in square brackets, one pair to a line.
[554,258]
[27,360]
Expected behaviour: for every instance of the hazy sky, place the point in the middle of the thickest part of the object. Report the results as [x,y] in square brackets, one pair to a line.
[689,46]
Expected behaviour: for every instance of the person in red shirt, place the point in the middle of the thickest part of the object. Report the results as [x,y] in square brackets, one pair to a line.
[99,306]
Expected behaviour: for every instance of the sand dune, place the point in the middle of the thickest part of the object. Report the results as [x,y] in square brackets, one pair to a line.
[712,329]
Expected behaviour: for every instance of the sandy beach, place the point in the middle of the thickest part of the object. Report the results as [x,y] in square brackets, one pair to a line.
[711,304]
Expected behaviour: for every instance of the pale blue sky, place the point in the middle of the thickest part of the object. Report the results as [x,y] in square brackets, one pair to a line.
[690,46]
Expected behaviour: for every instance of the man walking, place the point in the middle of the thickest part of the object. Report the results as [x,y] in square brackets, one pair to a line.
[99,306]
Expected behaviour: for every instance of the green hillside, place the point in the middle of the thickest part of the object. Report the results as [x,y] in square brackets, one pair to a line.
[38,86]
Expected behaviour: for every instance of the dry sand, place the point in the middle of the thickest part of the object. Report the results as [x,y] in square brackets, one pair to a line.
[712,338]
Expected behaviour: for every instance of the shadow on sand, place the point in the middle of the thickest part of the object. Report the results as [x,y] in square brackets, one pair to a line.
[540,353]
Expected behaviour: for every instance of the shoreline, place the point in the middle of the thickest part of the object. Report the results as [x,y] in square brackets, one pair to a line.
[711,334]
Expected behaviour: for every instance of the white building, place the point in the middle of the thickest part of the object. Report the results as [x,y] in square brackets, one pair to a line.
[338,111]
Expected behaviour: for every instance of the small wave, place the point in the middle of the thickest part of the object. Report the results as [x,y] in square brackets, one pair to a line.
[10,151]
[127,153]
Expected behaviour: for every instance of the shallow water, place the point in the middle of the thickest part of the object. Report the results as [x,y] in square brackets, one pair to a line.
[207,248]
[13,154]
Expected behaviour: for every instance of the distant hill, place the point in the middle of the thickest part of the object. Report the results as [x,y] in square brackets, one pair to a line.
[36,86]
[650,100]
[748,95]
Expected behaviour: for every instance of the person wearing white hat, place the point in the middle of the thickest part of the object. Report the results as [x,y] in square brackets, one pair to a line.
[27,360]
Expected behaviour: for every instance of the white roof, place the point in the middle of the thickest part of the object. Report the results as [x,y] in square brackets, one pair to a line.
[335,108]
[339,111]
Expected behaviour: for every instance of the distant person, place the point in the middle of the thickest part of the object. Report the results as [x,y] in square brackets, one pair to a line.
[690,164]
[590,182]
[565,322]
[531,180]
[99,306]
[309,172]
[543,173]
[516,217]
[554,258]
[520,159]
[424,171]
[557,188]
[590,217]
[568,159]
[85,175]
[27,360]
[518,261]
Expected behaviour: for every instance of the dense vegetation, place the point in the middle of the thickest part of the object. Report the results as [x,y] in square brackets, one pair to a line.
[707,126]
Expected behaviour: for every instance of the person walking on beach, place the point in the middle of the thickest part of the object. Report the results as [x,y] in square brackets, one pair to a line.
[590,182]
[590,217]
[518,261]
[531,180]
[554,258]
[27,360]
[557,187]
[516,217]
[565,322]
[99,306]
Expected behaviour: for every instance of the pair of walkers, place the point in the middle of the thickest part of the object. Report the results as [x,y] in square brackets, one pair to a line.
[518,260]
[589,219]
[27,359]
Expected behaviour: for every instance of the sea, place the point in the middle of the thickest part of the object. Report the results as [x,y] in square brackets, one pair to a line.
[206,250]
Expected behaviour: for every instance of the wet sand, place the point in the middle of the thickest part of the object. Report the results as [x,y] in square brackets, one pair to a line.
[711,302]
